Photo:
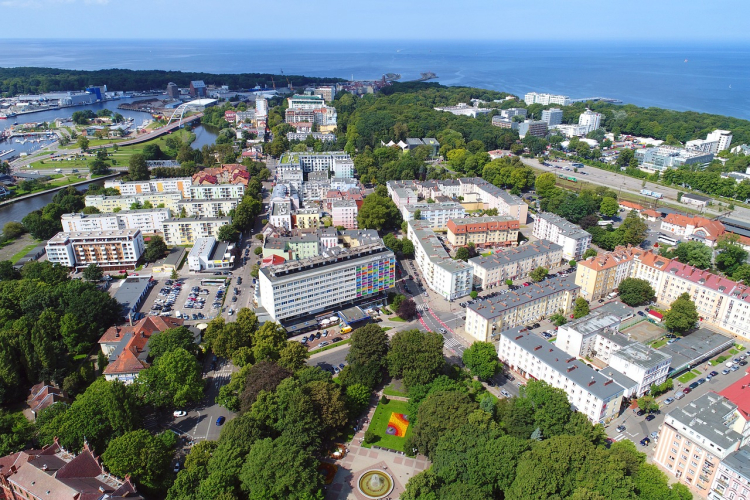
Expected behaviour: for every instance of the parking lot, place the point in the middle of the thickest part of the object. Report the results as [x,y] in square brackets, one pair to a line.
[185,297]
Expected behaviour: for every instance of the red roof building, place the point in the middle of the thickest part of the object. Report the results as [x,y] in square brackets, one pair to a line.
[43,395]
[739,394]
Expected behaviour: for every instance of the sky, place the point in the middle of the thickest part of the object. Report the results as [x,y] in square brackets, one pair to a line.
[660,20]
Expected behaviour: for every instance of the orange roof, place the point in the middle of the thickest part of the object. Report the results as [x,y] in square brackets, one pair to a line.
[631,205]
[706,228]
[136,336]
[611,259]
[739,394]
[651,213]
[653,259]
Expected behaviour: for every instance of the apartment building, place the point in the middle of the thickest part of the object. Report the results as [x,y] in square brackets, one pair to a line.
[344,213]
[486,318]
[401,196]
[207,208]
[511,112]
[573,240]
[55,473]
[172,185]
[580,337]
[642,364]
[148,220]
[450,278]
[716,141]
[476,188]
[537,128]
[589,392]
[436,215]
[110,250]
[552,116]
[666,157]
[545,99]
[217,191]
[187,231]
[590,119]
[106,204]
[293,247]
[328,93]
[307,218]
[209,254]
[694,439]
[339,277]
[600,275]
[501,230]
[281,214]
[514,263]
[342,166]
[316,162]
[732,480]
[305,102]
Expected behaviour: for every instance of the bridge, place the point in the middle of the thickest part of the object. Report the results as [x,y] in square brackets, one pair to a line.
[155,133]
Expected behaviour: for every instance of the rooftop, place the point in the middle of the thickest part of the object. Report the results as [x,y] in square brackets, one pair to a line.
[496,306]
[425,238]
[124,234]
[565,227]
[642,356]
[611,259]
[130,290]
[695,197]
[695,347]
[593,322]
[739,394]
[707,416]
[516,254]
[739,461]
[333,256]
[566,365]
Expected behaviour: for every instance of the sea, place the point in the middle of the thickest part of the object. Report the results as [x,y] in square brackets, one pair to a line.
[711,78]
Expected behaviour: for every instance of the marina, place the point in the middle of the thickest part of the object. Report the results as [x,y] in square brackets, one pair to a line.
[6,152]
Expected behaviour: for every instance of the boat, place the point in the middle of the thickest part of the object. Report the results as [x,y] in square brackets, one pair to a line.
[3,117]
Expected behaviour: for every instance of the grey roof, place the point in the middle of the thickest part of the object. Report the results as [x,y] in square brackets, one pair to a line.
[628,383]
[565,227]
[565,364]
[478,220]
[696,197]
[695,347]
[174,257]
[130,292]
[431,207]
[431,245]
[352,315]
[616,308]
[516,254]
[414,141]
[219,250]
[643,356]
[594,322]
[430,141]
[707,416]
[739,462]
[493,307]
[334,257]
[618,339]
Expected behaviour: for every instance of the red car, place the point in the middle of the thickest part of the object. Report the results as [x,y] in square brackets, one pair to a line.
[686,390]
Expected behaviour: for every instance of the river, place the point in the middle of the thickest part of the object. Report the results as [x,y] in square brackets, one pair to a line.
[18,210]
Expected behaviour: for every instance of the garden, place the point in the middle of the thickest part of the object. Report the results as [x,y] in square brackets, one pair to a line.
[389,427]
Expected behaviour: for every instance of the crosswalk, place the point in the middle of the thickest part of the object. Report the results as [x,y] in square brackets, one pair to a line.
[423,307]
[453,345]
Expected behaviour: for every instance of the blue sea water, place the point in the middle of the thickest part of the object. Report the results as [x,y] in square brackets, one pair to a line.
[697,77]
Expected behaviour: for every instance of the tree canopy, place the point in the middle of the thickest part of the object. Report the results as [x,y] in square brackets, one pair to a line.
[635,291]
[682,314]
[415,356]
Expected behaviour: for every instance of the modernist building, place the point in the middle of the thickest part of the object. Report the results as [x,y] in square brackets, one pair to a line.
[207,208]
[309,286]
[344,213]
[665,157]
[590,119]
[172,185]
[573,240]
[208,254]
[552,116]
[450,278]
[479,190]
[187,231]
[545,99]
[107,204]
[217,191]
[486,318]
[591,393]
[514,263]
[148,220]
[110,250]
[436,215]
[642,364]
[501,230]
[537,128]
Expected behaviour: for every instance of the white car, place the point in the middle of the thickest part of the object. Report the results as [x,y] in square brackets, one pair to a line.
[179,413]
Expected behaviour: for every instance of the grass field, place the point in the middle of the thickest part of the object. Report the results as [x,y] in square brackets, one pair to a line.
[687,377]
[18,255]
[379,425]
[658,343]
[391,390]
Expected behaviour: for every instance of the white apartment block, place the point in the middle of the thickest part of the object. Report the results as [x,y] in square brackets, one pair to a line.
[318,284]
[642,364]
[573,240]
[579,337]
[217,191]
[171,185]
[590,119]
[187,231]
[401,196]
[716,141]
[344,213]
[305,102]
[319,162]
[477,189]
[436,215]
[110,250]
[147,220]
[107,204]
[591,393]
[281,214]
[450,278]
[207,208]
[514,263]
[342,167]
[552,116]
[208,254]
[693,440]
[488,317]
[545,99]
[290,174]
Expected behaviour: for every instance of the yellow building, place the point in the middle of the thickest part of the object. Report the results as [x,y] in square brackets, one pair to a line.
[308,218]
[186,231]
[600,275]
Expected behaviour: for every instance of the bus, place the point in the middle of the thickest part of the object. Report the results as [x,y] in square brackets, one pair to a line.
[663,238]
[213,281]
[604,223]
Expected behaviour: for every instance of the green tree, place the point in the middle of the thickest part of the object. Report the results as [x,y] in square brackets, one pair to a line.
[647,403]
[171,339]
[558,319]
[633,229]
[229,233]
[13,229]
[142,456]
[268,342]
[138,168]
[83,143]
[581,308]
[417,214]
[279,469]
[731,255]
[694,253]
[155,249]
[357,399]
[367,357]
[635,291]
[682,314]
[415,356]
[174,380]
[609,206]
[439,414]
[481,360]
[590,253]
[8,272]
[539,274]
[293,356]
[462,254]
[378,212]
[93,273]
[545,185]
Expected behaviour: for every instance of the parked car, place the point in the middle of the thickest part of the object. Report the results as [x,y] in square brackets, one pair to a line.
[505,393]
[650,418]
[179,413]
[621,428]
[645,441]
[221,420]
[679,395]
[177,467]
[669,401]
[687,390]
[726,371]
[693,385]
[639,413]
[336,339]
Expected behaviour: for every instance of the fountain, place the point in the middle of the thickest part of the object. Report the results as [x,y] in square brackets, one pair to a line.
[375,484]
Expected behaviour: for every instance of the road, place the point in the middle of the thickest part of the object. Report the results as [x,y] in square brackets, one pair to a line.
[625,183]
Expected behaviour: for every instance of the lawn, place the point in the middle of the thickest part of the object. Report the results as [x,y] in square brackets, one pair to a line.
[658,343]
[687,377]
[393,390]
[719,360]
[397,319]
[18,256]
[379,425]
